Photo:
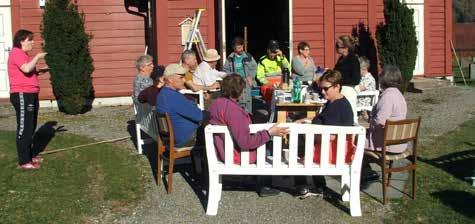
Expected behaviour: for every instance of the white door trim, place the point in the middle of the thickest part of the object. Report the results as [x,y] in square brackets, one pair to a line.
[223,30]
[6,43]
[418,7]
[5,2]
[291,30]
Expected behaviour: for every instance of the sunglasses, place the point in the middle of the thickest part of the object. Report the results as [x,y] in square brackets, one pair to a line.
[326,88]
[337,46]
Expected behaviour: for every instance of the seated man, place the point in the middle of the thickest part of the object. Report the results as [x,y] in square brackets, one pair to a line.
[188,61]
[206,74]
[269,69]
[144,65]
[186,117]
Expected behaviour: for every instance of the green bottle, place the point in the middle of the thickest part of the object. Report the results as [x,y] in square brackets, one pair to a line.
[296,90]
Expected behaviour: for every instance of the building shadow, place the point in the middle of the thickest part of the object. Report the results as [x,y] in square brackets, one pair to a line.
[45,134]
[367,47]
[460,201]
[458,164]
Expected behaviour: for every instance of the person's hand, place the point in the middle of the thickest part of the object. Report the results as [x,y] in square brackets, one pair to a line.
[249,80]
[278,131]
[279,52]
[362,88]
[41,55]
[303,121]
[215,86]
[43,69]
[206,96]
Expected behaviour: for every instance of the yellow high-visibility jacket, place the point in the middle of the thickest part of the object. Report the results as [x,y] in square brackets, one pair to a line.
[268,68]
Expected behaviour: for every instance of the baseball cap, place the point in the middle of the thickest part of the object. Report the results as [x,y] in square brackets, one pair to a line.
[174,69]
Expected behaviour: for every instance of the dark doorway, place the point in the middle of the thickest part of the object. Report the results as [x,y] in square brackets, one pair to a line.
[265,20]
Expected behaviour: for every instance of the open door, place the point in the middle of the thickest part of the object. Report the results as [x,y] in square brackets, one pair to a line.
[261,21]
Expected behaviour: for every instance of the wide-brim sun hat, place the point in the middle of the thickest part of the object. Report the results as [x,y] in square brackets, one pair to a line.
[211,55]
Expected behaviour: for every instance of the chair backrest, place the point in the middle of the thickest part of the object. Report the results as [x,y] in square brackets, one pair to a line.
[199,95]
[402,131]
[373,95]
[165,129]
[145,118]
[295,130]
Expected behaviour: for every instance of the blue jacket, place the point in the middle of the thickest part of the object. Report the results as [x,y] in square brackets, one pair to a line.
[184,113]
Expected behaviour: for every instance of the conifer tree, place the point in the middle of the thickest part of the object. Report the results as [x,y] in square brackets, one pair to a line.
[397,40]
[68,58]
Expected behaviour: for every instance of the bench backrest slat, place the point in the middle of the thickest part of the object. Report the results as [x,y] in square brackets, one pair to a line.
[293,148]
[277,152]
[228,149]
[309,148]
[261,156]
[325,150]
[340,152]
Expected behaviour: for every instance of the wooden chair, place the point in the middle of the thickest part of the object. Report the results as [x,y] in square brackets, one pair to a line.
[166,141]
[397,132]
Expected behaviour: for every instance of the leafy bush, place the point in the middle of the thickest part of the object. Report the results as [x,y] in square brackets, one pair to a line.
[397,39]
[68,58]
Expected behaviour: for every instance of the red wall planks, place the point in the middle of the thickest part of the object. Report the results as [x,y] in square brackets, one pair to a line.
[118,39]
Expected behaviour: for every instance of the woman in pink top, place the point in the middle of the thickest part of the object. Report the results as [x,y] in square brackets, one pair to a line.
[24,89]
[391,106]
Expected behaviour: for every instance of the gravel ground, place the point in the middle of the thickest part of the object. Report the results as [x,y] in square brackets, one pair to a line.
[442,110]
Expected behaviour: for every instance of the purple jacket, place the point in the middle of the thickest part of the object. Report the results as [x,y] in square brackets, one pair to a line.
[225,111]
[391,106]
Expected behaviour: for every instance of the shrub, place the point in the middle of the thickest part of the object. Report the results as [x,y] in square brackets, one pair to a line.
[68,58]
[397,40]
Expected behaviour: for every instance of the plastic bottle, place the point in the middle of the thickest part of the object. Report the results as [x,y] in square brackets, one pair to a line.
[297,87]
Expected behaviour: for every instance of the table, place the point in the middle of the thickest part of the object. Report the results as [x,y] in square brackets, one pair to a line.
[283,108]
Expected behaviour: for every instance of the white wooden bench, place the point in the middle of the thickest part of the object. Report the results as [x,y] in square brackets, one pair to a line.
[373,95]
[350,173]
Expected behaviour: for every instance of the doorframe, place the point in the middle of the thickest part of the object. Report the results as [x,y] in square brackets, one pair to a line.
[421,48]
[223,30]
[7,4]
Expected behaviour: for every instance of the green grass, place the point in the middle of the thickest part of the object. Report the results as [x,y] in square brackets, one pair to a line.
[443,195]
[72,186]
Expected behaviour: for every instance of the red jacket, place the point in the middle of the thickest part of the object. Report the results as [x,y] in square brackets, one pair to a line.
[149,95]
[225,111]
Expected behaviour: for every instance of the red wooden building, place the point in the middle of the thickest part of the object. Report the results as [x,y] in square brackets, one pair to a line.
[120,36]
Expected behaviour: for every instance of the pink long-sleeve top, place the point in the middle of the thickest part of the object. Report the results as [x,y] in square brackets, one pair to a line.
[391,106]
[225,111]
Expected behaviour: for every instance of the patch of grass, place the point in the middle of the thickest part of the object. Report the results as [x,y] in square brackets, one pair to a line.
[443,195]
[72,186]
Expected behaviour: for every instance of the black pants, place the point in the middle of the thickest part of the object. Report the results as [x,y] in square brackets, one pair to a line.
[26,107]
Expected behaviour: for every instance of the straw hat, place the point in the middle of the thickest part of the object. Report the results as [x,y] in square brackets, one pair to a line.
[211,55]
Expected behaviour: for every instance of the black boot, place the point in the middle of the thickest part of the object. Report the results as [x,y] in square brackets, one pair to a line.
[264,188]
